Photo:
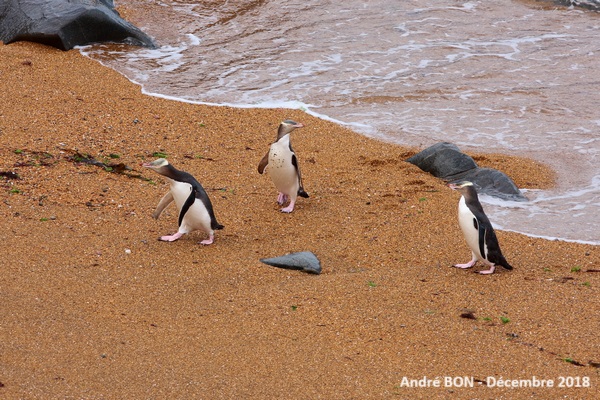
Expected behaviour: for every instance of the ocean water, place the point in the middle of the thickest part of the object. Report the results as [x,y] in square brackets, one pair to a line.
[515,77]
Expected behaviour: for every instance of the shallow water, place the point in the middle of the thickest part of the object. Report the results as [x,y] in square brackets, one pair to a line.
[517,77]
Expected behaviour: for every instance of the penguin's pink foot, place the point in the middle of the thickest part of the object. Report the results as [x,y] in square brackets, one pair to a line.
[465,266]
[488,271]
[281,198]
[208,241]
[171,238]
[289,208]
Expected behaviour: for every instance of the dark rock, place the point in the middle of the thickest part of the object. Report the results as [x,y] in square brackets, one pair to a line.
[67,23]
[303,261]
[443,160]
[491,182]
[446,161]
[589,4]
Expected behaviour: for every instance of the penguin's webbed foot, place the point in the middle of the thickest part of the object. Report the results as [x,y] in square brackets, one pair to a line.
[289,208]
[171,238]
[208,241]
[488,271]
[464,266]
[281,198]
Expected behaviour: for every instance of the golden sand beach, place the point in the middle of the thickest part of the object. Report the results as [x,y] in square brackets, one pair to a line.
[93,306]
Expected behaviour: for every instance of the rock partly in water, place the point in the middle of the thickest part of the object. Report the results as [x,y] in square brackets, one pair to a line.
[67,23]
[589,4]
[443,160]
[491,182]
[446,161]
[303,261]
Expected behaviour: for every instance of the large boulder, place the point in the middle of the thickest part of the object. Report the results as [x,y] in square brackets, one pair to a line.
[443,160]
[446,161]
[590,4]
[67,23]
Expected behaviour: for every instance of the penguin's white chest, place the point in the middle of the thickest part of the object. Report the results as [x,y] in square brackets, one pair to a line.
[197,216]
[468,225]
[180,191]
[282,171]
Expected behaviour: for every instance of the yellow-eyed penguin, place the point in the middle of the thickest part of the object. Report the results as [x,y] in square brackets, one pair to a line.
[477,229]
[195,209]
[283,166]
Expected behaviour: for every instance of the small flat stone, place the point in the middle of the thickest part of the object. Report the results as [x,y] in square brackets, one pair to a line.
[303,261]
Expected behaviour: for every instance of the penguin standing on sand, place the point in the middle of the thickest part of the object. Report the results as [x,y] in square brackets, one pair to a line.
[283,166]
[477,229]
[195,209]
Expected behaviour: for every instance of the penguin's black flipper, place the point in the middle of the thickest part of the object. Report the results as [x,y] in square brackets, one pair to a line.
[201,194]
[263,163]
[481,230]
[186,206]
[295,164]
[301,191]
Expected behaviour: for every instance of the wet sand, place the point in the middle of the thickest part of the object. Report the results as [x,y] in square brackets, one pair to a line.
[95,307]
